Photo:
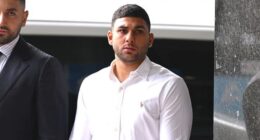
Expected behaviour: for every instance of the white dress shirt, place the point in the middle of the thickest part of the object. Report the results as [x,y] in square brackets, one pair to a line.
[151,104]
[6,51]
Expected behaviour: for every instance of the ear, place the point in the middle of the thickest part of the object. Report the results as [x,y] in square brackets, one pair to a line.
[25,16]
[110,37]
[151,39]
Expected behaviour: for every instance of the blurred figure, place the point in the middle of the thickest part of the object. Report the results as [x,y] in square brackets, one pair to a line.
[133,98]
[33,91]
[251,108]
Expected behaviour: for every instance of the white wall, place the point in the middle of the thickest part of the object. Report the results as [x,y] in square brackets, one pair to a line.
[183,19]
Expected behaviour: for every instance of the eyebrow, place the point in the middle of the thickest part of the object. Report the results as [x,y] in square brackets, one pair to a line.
[11,9]
[140,27]
[136,27]
[122,26]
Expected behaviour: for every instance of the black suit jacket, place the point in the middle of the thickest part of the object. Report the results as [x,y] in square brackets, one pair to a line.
[33,96]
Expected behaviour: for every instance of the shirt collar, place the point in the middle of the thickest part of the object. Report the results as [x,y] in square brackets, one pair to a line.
[142,71]
[7,49]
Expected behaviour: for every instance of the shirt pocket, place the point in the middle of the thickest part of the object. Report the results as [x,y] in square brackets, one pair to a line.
[151,107]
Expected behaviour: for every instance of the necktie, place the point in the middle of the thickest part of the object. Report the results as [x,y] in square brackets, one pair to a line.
[1,62]
[1,59]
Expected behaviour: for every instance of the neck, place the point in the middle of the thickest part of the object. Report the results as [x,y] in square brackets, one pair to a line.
[122,70]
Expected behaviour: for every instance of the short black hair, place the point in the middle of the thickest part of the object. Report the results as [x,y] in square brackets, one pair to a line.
[131,10]
[22,2]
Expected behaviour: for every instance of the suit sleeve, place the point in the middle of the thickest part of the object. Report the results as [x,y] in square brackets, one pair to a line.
[52,102]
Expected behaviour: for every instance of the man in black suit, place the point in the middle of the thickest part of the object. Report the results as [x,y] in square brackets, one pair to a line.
[33,90]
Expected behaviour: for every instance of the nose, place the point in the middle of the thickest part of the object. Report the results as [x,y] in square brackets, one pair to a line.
[130,37]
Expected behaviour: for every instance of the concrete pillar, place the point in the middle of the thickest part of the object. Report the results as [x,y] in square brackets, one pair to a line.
[237,62]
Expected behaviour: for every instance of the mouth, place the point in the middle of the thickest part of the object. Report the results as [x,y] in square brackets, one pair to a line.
[129,47]
[2,31]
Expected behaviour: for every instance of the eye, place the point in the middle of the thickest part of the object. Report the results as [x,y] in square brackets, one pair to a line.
[139,31]
[11,13]
[122,31]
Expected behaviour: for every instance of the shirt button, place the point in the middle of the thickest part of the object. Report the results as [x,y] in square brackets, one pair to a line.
[141,104]
[120,89]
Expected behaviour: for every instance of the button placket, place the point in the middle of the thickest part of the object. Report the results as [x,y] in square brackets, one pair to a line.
[119,103]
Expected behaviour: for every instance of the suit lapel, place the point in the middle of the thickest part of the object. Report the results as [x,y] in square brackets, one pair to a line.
[13,69]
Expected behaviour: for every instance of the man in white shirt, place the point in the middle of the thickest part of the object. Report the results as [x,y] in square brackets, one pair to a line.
[133,98]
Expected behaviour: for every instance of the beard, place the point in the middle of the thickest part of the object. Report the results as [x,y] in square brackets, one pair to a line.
[8,36]
[130,57]
[6,39]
